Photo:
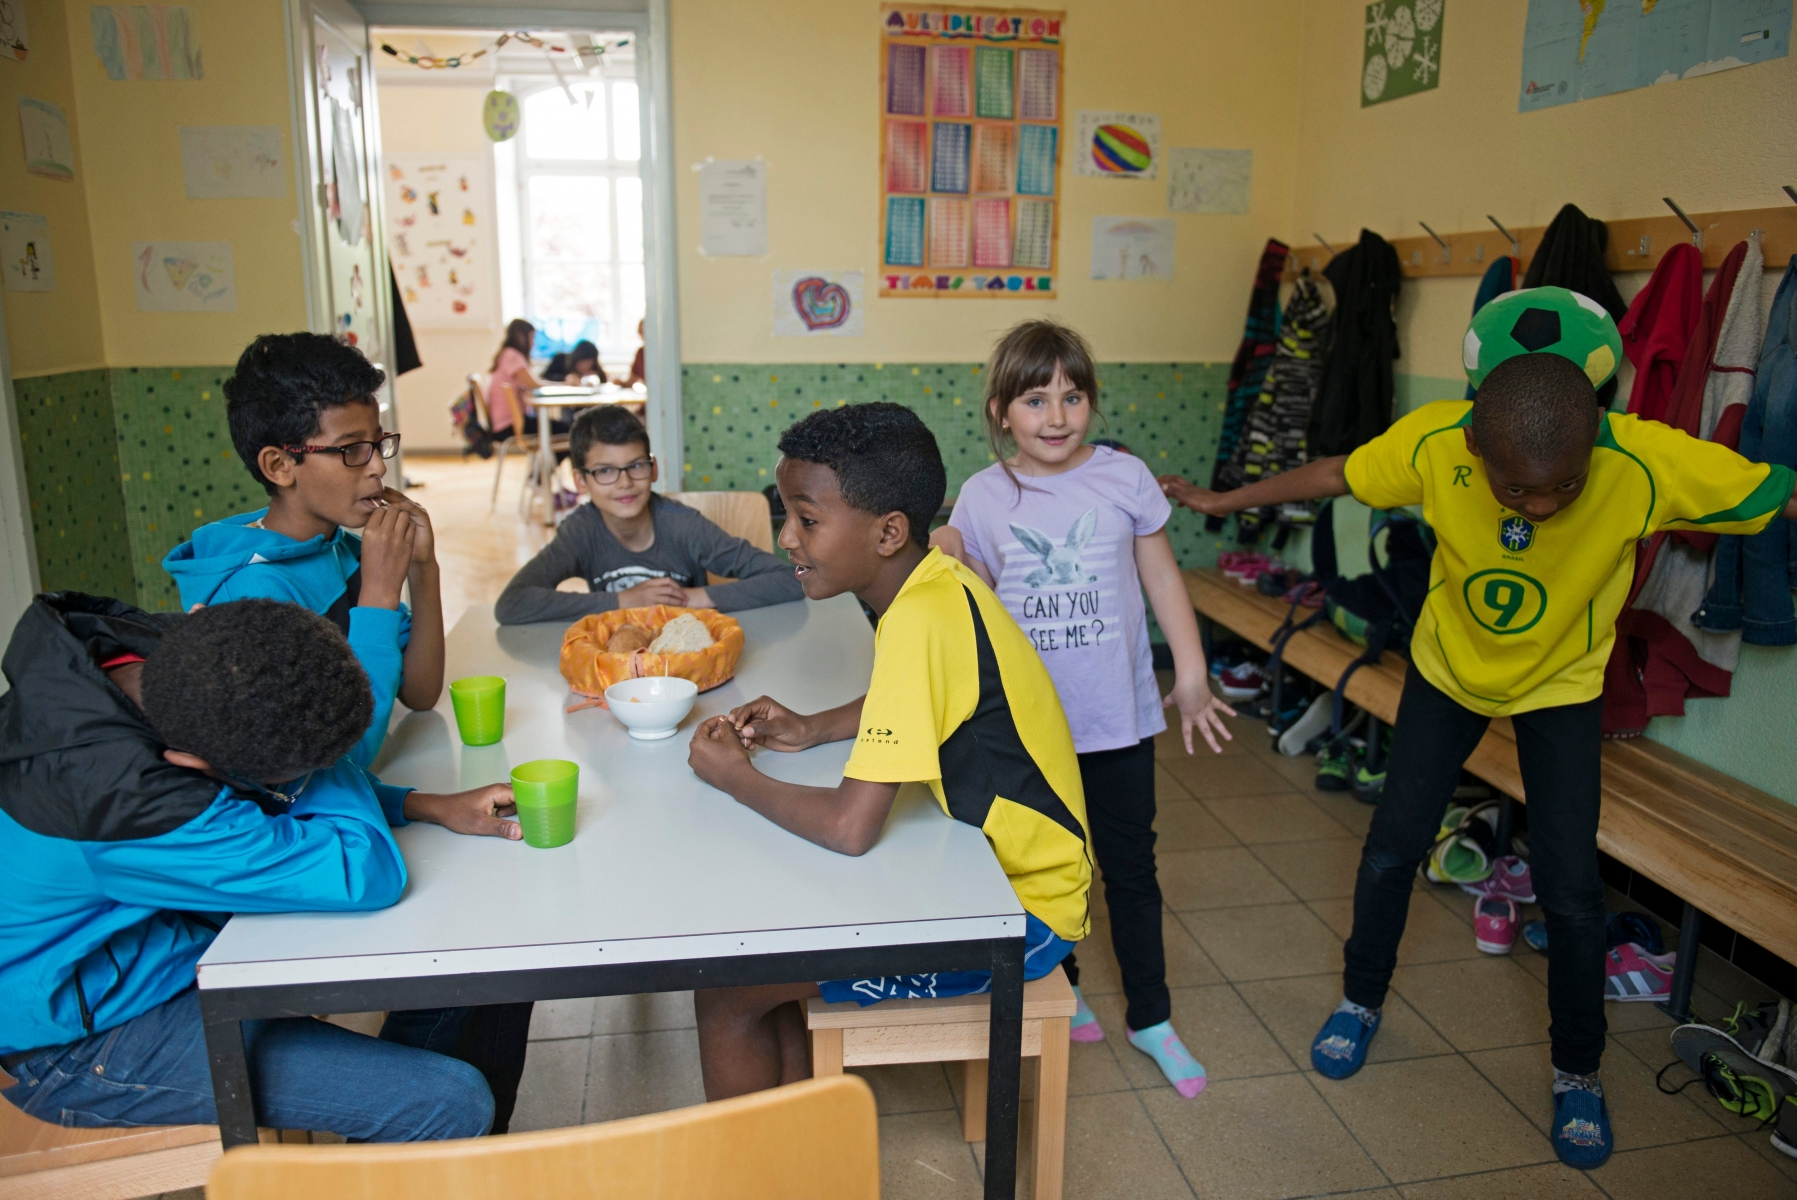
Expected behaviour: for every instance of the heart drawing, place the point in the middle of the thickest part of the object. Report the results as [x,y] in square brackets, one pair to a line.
[820,303]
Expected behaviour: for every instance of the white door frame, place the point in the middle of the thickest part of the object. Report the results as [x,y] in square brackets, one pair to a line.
[661,324]
[18,549]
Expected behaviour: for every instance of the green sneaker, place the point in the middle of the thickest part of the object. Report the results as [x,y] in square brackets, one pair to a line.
[1746,1086]
[1369,786]
[1784,1138]
[1335,766]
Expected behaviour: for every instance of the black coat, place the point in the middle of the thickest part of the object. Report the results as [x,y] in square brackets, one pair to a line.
[1571,255]
[1353,403]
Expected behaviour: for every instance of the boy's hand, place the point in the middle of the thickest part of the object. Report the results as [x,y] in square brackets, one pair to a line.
[387,544]
[1198,707]
[717,752]
[476,812]
[663,589]
[424,542]
[1200,500]
[768,723]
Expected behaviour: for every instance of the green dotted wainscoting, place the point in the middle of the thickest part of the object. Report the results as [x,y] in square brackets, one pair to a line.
[122,465]
[1170,414]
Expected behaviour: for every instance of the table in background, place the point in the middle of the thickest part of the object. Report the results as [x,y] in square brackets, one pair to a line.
[668,884]
[552,398]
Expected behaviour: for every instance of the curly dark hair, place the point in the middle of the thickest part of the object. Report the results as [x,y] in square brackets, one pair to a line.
[262,690]
[884,457]
[1535,407]
[282,385]
[606,424]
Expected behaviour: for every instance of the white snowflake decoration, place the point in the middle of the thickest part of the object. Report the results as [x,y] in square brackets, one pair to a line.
[1400,37]
[1428,14]
[1426,66]
[1376,21]
[1372,84]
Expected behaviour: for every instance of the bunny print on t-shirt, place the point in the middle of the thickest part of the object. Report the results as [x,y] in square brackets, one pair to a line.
[1060,564]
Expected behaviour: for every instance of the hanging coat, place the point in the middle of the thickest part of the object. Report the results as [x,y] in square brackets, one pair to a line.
[1274,439]
[1353,404]
[1571,255]
[1248,372]
[1500,277]
[1657,328]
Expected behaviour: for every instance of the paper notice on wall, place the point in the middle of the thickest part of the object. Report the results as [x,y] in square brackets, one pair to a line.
[440,236]
[817,303]
[1132,247]
[48,151]
[232,161]
[1208,181]
[732,208]
[25,252]
[184,276]
[1117,145]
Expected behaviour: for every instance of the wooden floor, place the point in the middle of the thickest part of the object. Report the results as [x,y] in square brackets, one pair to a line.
[479,545]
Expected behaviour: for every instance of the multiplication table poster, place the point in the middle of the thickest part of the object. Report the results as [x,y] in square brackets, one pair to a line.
[970,127]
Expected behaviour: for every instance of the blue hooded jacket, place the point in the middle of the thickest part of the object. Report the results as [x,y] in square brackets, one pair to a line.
[122,867]
[231,560]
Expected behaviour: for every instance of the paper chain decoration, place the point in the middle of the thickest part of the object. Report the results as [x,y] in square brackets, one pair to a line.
[429,62]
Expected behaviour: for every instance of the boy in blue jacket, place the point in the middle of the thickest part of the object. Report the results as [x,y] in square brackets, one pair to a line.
[158,774]
[305,421]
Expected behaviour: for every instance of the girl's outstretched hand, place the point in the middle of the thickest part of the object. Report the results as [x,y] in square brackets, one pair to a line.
[1200,708]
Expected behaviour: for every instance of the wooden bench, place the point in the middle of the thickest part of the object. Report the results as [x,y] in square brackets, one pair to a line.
[1724,847]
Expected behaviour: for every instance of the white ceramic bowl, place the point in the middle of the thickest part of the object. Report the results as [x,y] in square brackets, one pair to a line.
[652,707]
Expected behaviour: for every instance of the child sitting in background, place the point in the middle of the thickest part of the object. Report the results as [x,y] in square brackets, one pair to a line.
[159,773]
[1070,547]
[958,697]
[574,365]
[635,548]
[306,423]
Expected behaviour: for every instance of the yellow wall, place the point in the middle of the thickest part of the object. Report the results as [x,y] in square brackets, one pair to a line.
[130,170]
[802,91]
[57,330]
[1451,155]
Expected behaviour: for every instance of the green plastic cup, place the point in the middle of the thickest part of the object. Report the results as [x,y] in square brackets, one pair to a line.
[479,702]
[545,792]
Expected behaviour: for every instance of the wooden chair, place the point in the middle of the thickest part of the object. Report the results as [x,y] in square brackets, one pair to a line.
[816,1140]
[906,1031]
[740,514]
[524,436]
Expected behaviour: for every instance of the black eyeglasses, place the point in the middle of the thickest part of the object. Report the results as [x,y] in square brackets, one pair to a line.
[640,469]
[355,454]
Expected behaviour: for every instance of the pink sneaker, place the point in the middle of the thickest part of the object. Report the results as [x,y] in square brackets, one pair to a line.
[1494,924]
[1242,681]
[1632,975]
[1510,878]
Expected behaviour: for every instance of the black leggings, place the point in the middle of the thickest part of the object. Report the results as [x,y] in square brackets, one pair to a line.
[1560,751]
[1119,788]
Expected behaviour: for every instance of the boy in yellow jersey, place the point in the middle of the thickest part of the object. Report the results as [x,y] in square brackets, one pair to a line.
[1537,498]
[860,485]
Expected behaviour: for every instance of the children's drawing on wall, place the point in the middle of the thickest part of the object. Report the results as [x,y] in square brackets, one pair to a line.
[1402,55]
[350,183]
[1117,145]
[817,303]
[440,238]
[25,252]
[146,41]
[14,41]
[1132,247]
[500,116]
[232,161]
[184,276]
[1208,181]
[48,151]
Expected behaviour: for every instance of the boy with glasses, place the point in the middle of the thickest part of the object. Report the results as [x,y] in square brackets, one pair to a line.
[634,548]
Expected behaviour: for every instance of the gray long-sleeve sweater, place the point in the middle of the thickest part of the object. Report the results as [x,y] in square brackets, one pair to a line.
[686,547]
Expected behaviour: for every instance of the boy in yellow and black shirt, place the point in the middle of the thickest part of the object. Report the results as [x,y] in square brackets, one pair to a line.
[1537,499]
[959,700]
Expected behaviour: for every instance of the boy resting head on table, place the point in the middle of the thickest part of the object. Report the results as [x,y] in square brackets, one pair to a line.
[305,422]
[959,700]
[158,774]
[635,548]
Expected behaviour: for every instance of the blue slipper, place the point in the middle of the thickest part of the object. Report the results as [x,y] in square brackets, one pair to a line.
[1341,1045]
[1582,1129]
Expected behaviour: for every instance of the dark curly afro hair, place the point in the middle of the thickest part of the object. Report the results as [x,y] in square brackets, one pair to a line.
[884,457]
[283,384]
[263,691]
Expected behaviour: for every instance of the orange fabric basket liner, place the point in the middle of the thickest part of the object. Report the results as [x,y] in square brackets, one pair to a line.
[589,669]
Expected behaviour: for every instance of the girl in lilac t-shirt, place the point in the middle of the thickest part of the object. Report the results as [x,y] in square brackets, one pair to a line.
[1070,536]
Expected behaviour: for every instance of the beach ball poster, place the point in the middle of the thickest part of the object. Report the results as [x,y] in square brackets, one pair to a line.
[500,117]
[1117,145]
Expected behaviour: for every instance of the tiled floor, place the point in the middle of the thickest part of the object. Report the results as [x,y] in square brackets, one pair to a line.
[1257,869]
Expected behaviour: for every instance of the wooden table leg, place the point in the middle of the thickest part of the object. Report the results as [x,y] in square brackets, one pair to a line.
[973,1100]
[1004,1066]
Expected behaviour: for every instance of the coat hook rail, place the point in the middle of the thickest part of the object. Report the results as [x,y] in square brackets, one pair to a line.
[1696,233]
[1515,246]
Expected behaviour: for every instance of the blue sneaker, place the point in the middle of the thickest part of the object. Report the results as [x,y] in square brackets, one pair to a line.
[1582,1129]
[1341,1045]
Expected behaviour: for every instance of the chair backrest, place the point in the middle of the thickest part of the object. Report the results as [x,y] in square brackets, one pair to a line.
[740,514]
[816,1140]
[520,427]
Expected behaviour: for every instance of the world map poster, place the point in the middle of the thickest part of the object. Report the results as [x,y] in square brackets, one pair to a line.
[1581,49]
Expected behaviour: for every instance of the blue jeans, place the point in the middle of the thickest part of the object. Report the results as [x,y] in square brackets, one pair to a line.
[305,1074]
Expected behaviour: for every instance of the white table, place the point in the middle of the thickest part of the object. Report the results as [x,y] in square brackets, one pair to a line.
[667,885]
[549,400]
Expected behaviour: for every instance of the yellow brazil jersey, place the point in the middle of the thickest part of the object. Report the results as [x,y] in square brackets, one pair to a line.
[960,699]
[1520,614]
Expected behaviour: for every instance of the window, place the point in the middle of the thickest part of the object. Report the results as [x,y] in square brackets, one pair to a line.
[580,202]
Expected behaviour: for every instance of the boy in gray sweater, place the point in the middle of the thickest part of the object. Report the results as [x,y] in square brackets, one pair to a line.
[633,547]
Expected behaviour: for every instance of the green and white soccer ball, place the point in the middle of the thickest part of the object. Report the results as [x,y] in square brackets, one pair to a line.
[1543,320]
